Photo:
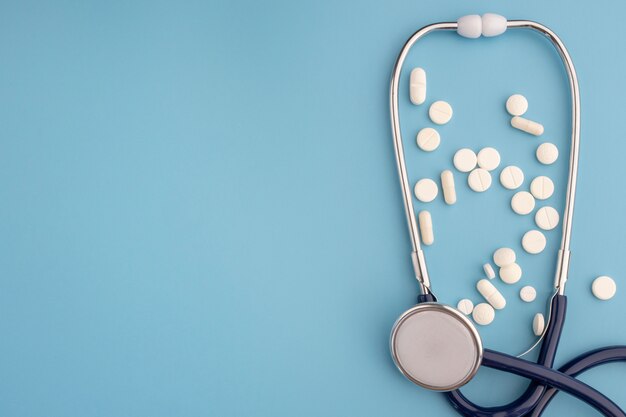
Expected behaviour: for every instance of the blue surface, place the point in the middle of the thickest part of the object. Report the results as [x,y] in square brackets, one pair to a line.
[201,216]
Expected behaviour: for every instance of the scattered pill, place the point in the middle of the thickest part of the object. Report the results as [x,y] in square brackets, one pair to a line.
[426,190]
[465,306]
[538,324]
[511,177]
[534,242]
[527,126]
[488,158]
[447,185]
[528,294]
[504,256]
[426,227]
[483,314]
[417,88]
[510,274]
[479,180]
[516,105]
[523,202]
[547,153]
[465,160]
[489,272]
[470,26]
[491,294]
[603,288]
[542,187]
[440,112]
[493,24]
[547,218]
[428,139]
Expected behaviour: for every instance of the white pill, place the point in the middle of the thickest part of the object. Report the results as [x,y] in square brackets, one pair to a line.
[488,158]
[426,190]
[465,160]
[440,112]
[534,242]
[523,202]
[470,26]
[547,218]
[493,24]
[528,294]
[511,177]
[447,185]
[542,187]
[428,139]
[479,180]
[516,105]
[527,126]
[603,288]
[417,86]
[489,272]
[491,294]
[510,274]
[483,314]
[426,227]
[504,256]
[547,153]
[539,324]
[465,306]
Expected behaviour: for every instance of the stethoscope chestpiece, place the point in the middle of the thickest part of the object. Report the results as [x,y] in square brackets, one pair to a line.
[435,346]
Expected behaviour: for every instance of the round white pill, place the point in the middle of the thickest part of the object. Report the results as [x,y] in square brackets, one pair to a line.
[528,294]
[489,272]
[440,112]
[547,218]
[510,274]
[516,105]
[539,324]
[547,153]
[488,158]
[511,177]
[428,139]
[464,160]
[479,180]
[534,242]
[504,256]
[523,202]
[483,314]
[603,288]
[542,187]
[465,306]
[426,190]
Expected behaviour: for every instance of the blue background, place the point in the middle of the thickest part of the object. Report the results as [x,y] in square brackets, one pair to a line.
[200,213]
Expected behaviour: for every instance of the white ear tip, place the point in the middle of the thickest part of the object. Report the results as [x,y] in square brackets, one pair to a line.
[470,26]
[493,24]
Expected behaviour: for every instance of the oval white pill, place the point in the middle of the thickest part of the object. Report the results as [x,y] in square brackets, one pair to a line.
[523,202]
[465,160]
[547,153]
[426,190]
[440,112]
[428,139]
[510,274]
[542,187]
[493,24]
[488,158]
[426,227]
[417,86]
[528,294]
[603,288]
[483,314]
[516,105]
[511,177]
[534,242]
[470,26]
[479,180]
[465,306]
[489,272]
[538,324]
[504,256]
[447,185]
[547,218]
[491,294]
[527,126]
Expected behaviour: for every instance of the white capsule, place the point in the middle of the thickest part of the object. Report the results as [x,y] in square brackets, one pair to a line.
[504,256]
[547,153]
[493,24]
[417,86]
[539,324]
[489,272]
[428,139]
[488,158]
[440,112]
[465,306]
[465,160]
[523,202]
[510,274]
[470,26]
[603,288]
[528,294]
[483,314]
[542,187]
[447,185]
[527,126]
[479,180]
[516,105]
[426,190]
[534,242]
[491,294]
[547,218]
[426,227]
[511,177]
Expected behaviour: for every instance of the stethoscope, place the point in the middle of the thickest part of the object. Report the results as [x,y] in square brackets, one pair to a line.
[436,346]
